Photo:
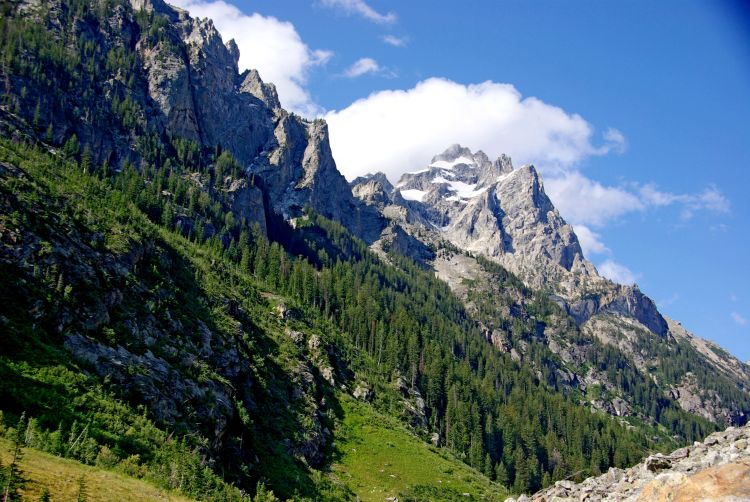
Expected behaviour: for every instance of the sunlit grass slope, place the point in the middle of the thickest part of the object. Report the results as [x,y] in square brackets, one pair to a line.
[378,458]
[61,477]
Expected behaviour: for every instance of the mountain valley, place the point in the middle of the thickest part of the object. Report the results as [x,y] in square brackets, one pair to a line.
[194,296]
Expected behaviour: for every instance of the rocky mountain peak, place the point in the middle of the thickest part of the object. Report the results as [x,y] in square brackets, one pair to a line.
[503,164]
[457,155]
[290,155]
[503,213]
[373,189]
[252,84]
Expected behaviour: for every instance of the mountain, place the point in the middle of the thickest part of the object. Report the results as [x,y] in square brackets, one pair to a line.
[196,296]
[489,209]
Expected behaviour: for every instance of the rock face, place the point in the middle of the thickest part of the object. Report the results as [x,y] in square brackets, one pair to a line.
[289,154]
[492,209]
[617,299]
[717,470]
[183,91]
[489,208]
[193,88]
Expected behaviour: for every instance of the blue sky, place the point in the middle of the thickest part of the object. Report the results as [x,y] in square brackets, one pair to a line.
[640,122]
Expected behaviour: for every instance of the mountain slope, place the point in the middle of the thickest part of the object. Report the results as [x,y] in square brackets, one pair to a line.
[61,478]
[493,210]
[191,277]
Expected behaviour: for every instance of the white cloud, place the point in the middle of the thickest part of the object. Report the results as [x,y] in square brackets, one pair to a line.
[271,46]
[616,272]
[615,140]
[590,241]
[361,67]
[395,131]
[360,8]
[738,319]
[710,199]
[583,201]
[395,41]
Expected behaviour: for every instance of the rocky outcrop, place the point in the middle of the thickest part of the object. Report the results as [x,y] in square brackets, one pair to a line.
[169,82]
[291,156]
[626,301]
[718,469]
[170,395]
[489,208]
[395,240]
[373,189]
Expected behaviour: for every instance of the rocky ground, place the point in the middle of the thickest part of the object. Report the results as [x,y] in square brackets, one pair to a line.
[718,469]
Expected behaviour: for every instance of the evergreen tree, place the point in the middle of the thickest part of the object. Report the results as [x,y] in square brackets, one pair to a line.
[37,112]
[14,480]
[501,473]
[86,159]
[71,147]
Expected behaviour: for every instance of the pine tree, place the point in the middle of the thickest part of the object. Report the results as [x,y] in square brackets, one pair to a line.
[71,147]
[487,469]
[501,473]
[14,476]
[86,159]
[37,112]
[167,217]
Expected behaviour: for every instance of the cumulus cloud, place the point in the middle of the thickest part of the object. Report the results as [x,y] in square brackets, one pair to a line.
[710,199]
[395,41]
[271,46]
[361,67]
[616,272]
[738,319]
[615,140]
[396,131]
[583,201]
[360,8]
[590,241]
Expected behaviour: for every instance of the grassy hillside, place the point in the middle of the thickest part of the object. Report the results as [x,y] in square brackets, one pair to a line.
[377,458]
[175,336]
[61,477]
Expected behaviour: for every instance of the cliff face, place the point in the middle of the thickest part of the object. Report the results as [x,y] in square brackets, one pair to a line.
[183,92]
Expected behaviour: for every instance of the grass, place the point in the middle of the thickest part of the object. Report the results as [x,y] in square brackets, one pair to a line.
[377,458]
[60,476]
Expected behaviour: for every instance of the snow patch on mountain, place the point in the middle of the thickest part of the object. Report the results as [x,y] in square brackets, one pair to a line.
[413,194]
